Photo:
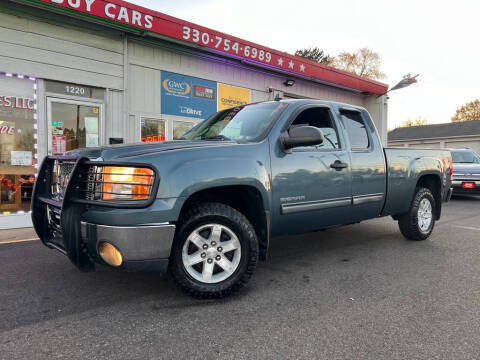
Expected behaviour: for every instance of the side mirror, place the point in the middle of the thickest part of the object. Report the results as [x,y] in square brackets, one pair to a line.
[301,136]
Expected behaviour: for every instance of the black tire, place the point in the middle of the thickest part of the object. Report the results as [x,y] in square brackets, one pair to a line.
[408,223]
[216,213]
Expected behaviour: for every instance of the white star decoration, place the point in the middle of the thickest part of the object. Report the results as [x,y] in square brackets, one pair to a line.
[280,61]
[302,68]
[290,64]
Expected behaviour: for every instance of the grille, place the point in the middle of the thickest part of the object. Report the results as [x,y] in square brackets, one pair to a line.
[54,216]
[62,170]
[92,183]
[466,176]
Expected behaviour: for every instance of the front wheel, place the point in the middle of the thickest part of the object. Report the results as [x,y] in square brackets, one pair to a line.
[215,251]
[418,223]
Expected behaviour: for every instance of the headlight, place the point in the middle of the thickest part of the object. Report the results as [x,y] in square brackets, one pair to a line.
[127,183]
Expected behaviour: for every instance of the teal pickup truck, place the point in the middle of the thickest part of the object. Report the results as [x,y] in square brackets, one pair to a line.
[204,207]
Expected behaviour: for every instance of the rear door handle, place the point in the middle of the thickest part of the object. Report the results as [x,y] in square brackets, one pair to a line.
[338,165]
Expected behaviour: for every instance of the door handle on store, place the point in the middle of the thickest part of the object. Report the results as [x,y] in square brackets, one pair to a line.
[338,165]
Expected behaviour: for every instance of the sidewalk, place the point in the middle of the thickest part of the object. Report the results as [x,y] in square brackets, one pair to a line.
[17,235]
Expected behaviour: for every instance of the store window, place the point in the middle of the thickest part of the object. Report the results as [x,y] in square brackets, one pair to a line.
[18,142]
[152,130]
[180,128]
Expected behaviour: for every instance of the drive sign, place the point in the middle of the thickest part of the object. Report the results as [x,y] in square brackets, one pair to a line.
[188,96]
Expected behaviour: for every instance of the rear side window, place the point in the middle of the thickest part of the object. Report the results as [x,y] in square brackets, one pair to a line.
[356,130]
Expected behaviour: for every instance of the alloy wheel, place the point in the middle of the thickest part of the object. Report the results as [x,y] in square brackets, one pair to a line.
[211,253]
[424,215]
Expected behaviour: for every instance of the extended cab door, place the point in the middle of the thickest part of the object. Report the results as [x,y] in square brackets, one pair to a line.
[311,185]
[367,161]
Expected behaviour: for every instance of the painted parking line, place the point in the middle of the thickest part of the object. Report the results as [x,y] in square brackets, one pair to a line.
[17,241]
[467,227]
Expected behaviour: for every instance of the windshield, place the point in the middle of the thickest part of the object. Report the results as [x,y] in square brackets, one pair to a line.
[242,123]
[467,157]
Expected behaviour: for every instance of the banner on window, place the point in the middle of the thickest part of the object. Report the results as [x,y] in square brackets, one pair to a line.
[230,96]
[188,96]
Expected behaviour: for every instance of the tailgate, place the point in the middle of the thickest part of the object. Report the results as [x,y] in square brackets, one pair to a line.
[404,168]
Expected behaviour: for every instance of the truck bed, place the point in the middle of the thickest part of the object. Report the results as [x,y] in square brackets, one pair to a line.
[404,167]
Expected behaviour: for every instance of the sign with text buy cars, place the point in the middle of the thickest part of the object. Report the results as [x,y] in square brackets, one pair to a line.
[136,17]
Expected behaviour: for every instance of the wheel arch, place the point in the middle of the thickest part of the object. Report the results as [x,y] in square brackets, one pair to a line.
[247,199]
[433,182]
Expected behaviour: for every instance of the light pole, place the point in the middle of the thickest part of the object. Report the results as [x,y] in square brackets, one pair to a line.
[406,81]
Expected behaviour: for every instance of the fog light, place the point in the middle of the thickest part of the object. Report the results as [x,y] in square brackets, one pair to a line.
[110,254]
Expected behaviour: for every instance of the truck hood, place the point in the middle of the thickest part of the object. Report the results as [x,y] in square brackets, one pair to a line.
[466,169]
[119,152]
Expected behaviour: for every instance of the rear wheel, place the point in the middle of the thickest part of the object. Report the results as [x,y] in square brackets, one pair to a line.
[215,251]
[418,223]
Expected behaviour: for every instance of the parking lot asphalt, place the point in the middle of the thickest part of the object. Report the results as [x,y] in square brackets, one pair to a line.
[356,292]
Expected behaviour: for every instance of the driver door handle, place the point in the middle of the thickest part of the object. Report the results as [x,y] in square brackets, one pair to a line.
[338,165]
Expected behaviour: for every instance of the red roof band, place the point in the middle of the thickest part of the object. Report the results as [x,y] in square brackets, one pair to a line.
[151,21]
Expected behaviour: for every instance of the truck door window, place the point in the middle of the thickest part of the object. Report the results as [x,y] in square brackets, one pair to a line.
[320,118]
[356,130]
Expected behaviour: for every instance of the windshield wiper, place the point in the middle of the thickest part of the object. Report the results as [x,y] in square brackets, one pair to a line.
[215,137]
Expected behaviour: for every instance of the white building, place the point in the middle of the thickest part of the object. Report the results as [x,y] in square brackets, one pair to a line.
[82,73]
[454,135]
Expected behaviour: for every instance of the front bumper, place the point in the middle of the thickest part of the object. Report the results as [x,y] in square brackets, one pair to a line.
[62,222]
[143,247]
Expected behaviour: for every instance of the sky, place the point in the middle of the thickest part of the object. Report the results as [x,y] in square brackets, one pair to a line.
[436,39]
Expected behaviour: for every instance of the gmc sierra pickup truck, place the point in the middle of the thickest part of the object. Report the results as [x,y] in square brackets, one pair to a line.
[205,207]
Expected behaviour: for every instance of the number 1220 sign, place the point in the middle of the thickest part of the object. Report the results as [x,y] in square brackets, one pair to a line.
[224,44]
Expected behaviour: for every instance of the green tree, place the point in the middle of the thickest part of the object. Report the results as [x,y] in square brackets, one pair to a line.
[467,112]
[315,54]
[364,62]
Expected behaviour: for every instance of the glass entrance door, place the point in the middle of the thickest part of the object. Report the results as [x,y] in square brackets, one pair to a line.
[73,125]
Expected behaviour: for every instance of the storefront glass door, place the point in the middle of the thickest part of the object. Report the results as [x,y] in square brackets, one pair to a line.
[72,125]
